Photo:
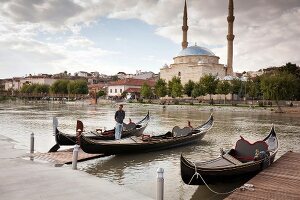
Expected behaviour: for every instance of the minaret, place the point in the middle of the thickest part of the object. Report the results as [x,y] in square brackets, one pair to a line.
[185,28]
[230,38]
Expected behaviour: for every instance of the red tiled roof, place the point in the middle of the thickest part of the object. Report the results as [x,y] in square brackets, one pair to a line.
[133,82]
[98,86]
[133,90]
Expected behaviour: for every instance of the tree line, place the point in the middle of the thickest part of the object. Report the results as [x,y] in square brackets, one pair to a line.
[281,83]
[62,86]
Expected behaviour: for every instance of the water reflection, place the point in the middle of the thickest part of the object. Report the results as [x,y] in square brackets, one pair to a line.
[138,172]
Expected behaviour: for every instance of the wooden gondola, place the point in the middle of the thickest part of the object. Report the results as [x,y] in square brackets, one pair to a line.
[243,162]
[131,129]
[177,137]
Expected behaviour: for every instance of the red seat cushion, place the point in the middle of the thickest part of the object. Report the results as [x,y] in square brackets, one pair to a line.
[245,151]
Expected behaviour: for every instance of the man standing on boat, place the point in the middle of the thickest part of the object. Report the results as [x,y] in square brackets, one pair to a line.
[119,117]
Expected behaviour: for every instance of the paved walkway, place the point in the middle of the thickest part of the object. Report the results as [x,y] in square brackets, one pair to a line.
[25,179]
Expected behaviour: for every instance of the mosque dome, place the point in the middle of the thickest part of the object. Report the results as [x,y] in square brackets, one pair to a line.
[195,51]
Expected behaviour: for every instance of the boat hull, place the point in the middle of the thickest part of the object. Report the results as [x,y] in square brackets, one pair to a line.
[92,147]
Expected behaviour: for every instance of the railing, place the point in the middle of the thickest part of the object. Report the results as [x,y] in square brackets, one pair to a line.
[43,95]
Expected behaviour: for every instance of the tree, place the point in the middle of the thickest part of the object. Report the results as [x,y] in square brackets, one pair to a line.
[253,89]
[223,87]
[236,85]
[175,87]
[279,86]
[41,88]
[78,87]
[25,88]
[146,91]
[60,87]
[101,93]
[170,84]
[210,83]
[198,90]
[188,88]
[160,88]
[295,70]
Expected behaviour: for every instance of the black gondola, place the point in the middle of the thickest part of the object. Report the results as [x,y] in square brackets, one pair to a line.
[145,143]
[131,129]
[243,162]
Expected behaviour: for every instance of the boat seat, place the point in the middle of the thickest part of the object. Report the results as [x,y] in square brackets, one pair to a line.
[129,126]
[179,132]
[231,159]
[245,151]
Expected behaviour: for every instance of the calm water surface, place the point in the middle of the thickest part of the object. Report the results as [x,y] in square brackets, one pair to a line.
[138,172]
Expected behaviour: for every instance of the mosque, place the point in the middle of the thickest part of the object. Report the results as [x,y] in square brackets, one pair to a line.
[193,62]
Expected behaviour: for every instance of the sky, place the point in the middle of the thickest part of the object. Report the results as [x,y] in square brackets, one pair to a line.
[52,36]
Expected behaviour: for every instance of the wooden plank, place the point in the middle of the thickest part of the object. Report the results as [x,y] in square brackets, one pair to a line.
[279,181]
[64,156]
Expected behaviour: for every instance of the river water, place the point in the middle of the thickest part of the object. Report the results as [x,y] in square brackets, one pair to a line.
[138,172]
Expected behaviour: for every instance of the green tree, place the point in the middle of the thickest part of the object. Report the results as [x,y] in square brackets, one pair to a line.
[146,91]
[223,87]
[210,83]
[101,93]
[24,88]
[278,86]
[160,88]
[60,87]
[170,84]
[198,90]
[41,88]
[253,89]
[295,70]
[176,87]
[188,88]
[78,87]
[124,94]
[236,85]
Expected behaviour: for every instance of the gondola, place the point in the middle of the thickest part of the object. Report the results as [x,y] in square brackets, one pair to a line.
[242,162]
[130,129]
[176,137]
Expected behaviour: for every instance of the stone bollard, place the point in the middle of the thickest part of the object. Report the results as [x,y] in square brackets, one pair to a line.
[160,184]
[75,156]
[31,143]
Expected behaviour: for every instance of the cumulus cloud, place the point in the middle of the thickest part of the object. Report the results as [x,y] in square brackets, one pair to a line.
[266,31]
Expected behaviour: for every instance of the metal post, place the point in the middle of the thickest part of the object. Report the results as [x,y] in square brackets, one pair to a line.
[75,156]
[31,143]
[160,184]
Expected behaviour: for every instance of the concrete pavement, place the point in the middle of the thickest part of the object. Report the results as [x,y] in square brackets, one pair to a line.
[25,179]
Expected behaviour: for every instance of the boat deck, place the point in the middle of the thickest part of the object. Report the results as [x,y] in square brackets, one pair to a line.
[64,156]
[279,181]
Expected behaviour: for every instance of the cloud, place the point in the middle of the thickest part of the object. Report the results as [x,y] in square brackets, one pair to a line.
[266,31]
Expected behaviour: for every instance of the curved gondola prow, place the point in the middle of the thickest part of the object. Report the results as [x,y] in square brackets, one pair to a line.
[207,125]
[79,131]
[273,135]
[145,119]
[55,132]
[55,125]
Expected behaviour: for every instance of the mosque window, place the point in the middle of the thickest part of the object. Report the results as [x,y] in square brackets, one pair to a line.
[116,90]
[110,90]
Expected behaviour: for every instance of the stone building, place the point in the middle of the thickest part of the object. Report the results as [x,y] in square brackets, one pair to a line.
[193,62]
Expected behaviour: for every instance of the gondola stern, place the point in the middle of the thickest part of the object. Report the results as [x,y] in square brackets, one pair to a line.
[55,125]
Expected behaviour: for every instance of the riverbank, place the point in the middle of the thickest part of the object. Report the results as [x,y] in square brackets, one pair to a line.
[225,108]
[25,179]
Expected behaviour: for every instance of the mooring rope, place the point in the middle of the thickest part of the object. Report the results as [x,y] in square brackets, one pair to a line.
[221,193]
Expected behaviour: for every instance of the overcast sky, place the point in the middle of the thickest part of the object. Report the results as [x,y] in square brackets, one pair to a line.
[51,36]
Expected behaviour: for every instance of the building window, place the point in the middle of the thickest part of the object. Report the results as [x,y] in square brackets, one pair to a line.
[179,74]
[120,90]
[116,90]
[110,90]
